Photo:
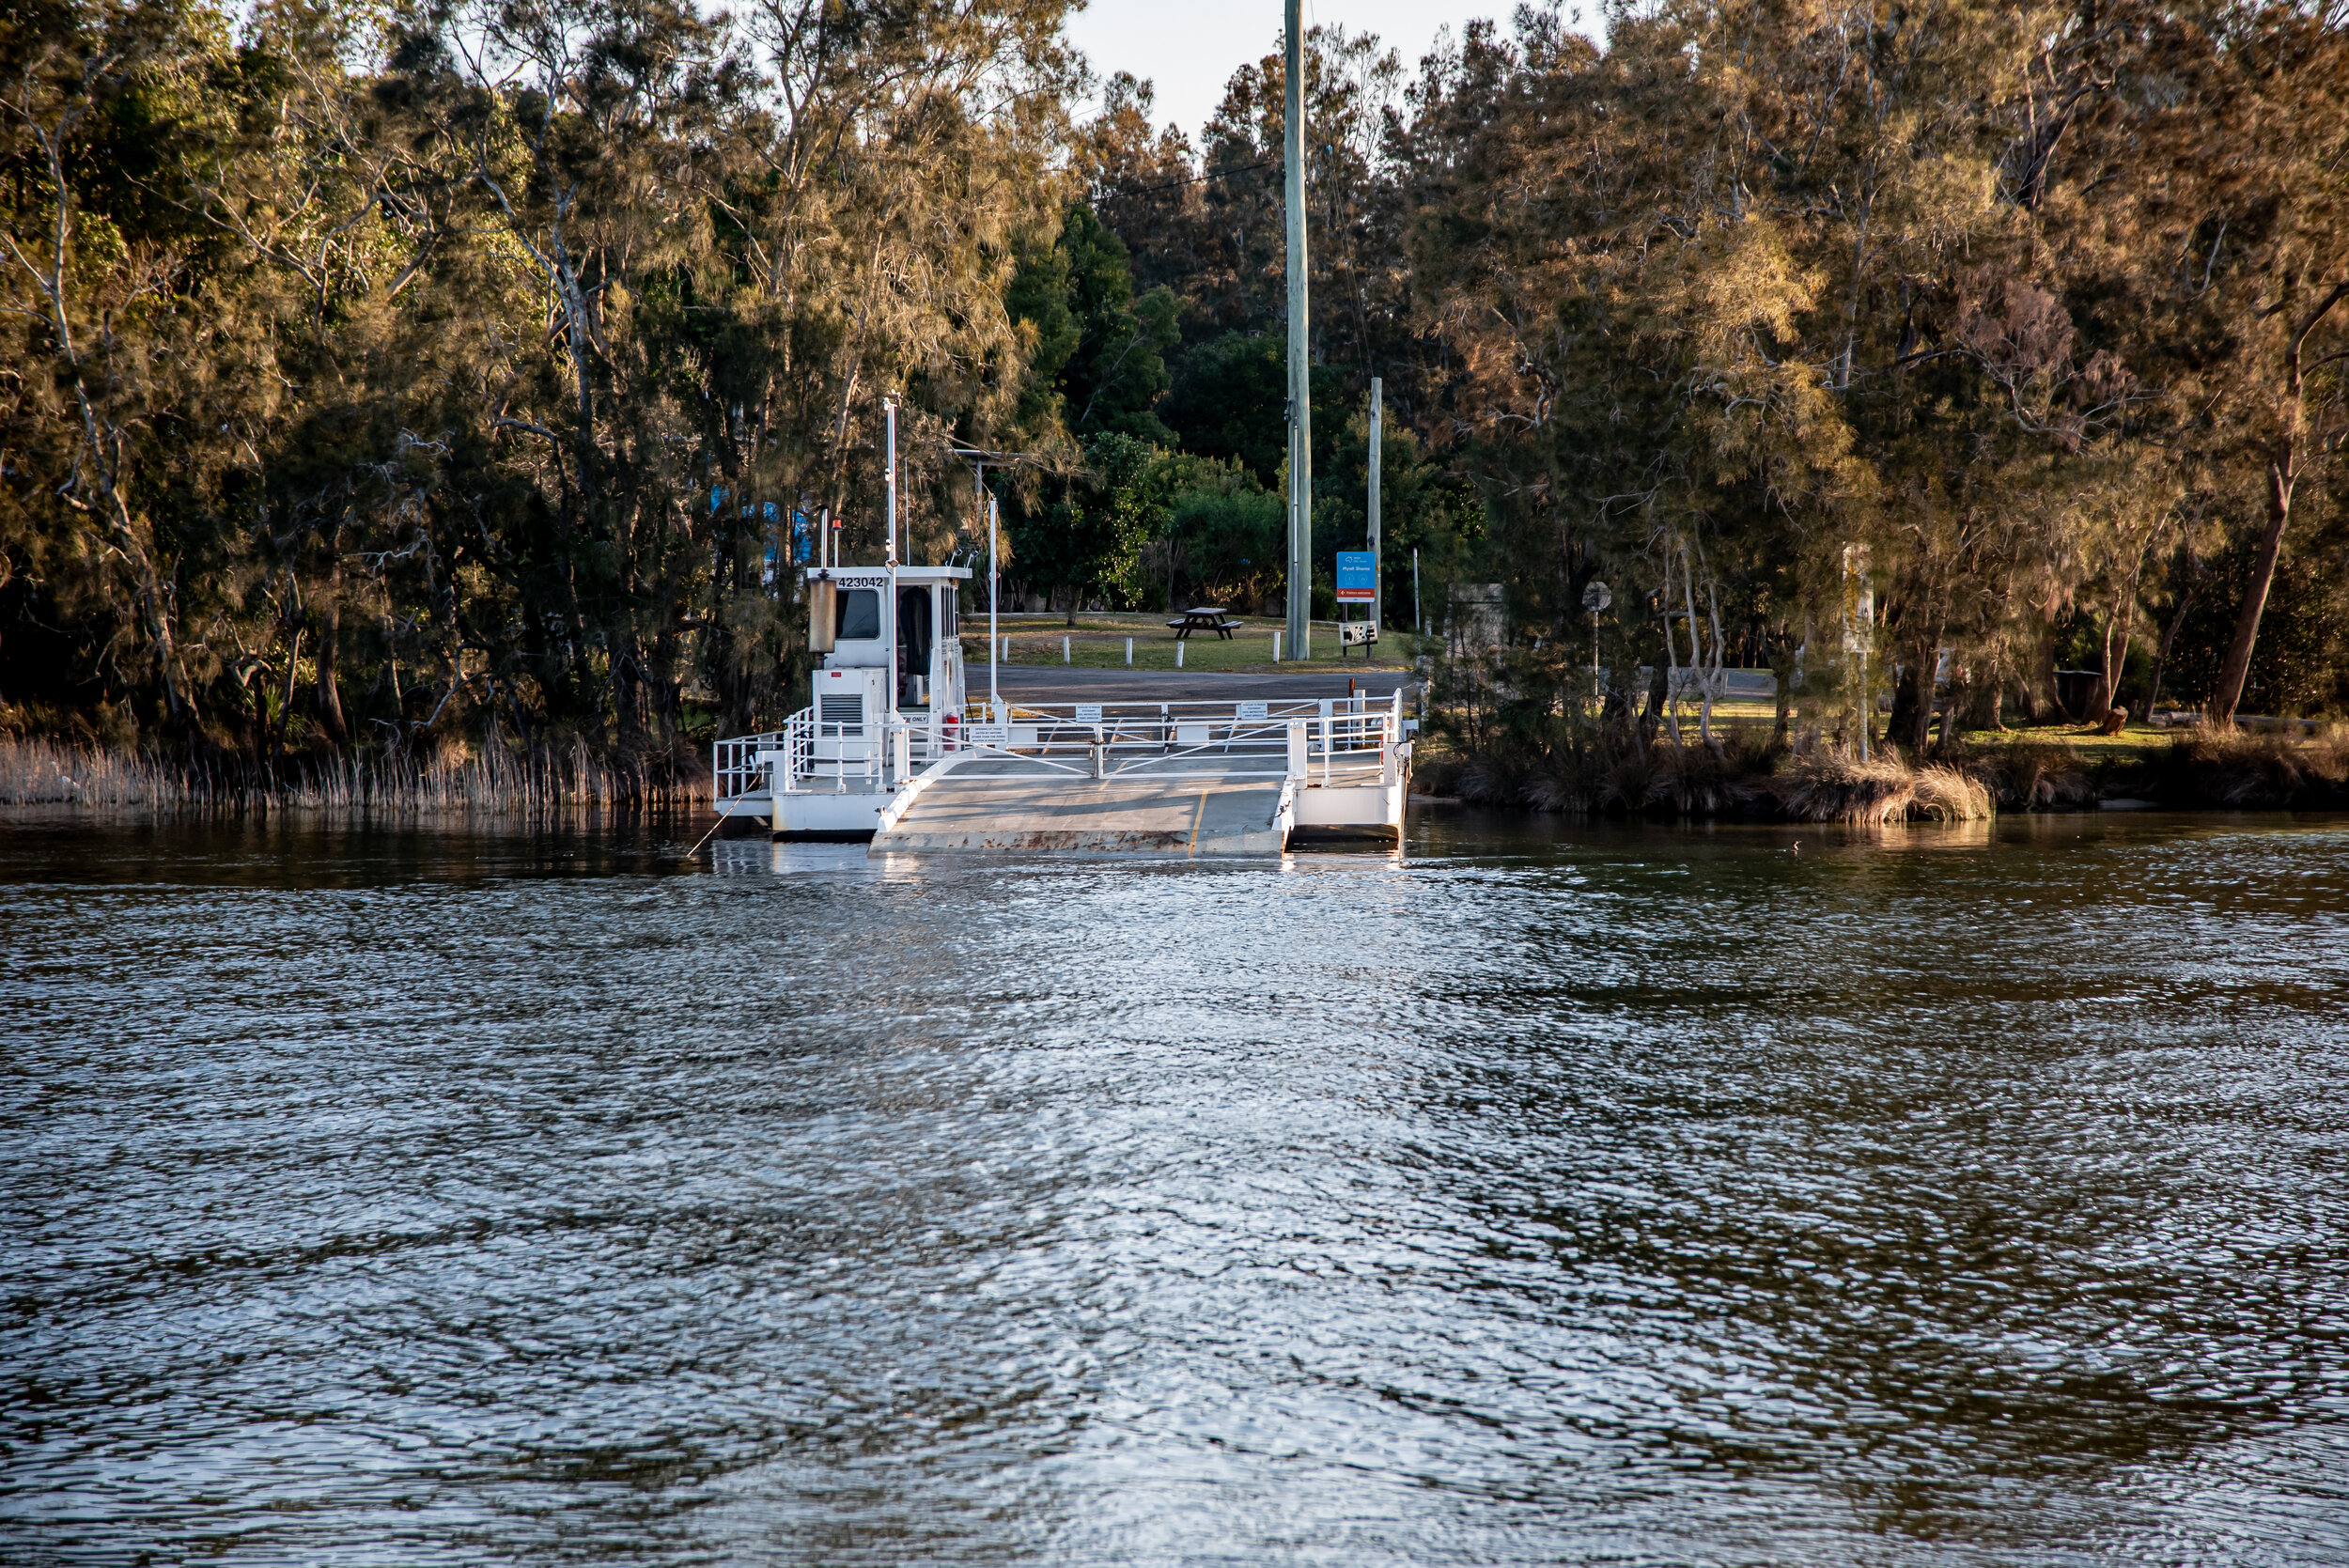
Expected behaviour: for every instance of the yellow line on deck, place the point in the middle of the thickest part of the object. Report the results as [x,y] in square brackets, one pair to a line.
[1195,818]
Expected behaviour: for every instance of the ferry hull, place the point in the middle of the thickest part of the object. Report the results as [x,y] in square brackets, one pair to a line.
[814,814]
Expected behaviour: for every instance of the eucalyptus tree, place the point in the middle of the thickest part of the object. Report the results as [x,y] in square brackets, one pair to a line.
[107,402]
[1762,283]
[1627,372]
[2187,169]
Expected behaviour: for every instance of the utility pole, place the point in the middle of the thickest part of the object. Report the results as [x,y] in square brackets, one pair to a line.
[994,698]
[890,405]
[1301,378]
[1378,561]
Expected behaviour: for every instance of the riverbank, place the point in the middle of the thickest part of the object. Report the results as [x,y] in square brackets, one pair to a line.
[1742,774]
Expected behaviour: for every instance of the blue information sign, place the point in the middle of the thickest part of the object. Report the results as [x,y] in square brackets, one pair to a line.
[1357,577]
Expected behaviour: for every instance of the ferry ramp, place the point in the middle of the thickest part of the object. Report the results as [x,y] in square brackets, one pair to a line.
[1008,805]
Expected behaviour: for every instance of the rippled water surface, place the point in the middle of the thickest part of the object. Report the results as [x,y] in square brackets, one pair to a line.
[1541,1195]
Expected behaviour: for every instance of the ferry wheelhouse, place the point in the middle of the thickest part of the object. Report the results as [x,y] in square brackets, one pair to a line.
[887,699]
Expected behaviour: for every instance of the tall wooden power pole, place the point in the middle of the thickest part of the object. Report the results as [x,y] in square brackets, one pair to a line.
[1377,557]
[1300,377]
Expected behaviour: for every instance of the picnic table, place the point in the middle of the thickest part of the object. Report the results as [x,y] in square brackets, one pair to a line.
[1204,618]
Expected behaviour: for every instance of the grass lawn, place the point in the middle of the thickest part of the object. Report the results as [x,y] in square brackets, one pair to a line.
[2133,744]
[2137,743]
[1098,641]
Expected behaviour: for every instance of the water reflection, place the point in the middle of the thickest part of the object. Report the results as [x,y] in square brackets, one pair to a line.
[1535,1195]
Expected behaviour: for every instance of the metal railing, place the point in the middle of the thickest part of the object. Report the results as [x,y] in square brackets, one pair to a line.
[733,770]
[1298,737]
[809,754]
[1310,740]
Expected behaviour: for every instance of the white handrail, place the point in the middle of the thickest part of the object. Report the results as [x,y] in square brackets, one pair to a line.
[1170,739]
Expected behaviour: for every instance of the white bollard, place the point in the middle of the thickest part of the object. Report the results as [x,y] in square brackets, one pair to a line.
[1178,656]
[1276,647]
[1007,648]
[1064,650]
[1130,653]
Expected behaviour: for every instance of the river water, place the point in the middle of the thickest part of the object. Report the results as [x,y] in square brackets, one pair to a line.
[1538,1195]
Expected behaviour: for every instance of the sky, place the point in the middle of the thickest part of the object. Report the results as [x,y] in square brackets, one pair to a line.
[1189,48]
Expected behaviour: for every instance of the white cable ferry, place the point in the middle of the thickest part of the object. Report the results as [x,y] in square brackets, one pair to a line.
[933,770]
[891,749]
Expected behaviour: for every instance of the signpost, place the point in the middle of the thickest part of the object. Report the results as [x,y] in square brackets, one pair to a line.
[1594,599]
[1357,583]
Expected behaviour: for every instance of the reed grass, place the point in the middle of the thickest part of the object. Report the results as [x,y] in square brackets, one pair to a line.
[494,782]
[1830,785]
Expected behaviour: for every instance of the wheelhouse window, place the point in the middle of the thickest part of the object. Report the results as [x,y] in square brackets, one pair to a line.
[859,619]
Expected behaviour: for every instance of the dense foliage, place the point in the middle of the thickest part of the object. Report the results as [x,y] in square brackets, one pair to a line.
[2030,316]
[377,378]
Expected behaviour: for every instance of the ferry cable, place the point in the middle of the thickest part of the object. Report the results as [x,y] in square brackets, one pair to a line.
[705,838]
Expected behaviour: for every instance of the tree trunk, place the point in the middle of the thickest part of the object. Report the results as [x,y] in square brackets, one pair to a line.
[1928,666]
[1783,672]
[1659,693]
[2054,687]
[2169,633]
[2236,667]
[328,697]
[1912,698]
[2118,626]
[2284,474]
[285,707]
[2100,701]
[1985,697]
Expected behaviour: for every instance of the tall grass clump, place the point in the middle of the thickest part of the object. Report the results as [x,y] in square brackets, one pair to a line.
[497,781]
[1828,784]
[35,772]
